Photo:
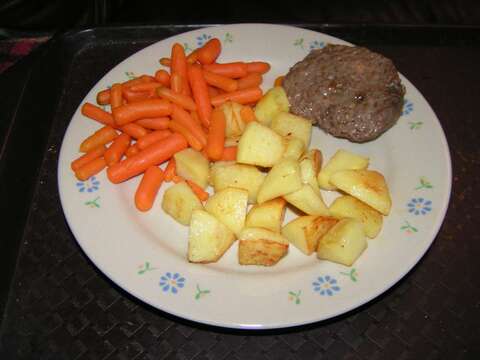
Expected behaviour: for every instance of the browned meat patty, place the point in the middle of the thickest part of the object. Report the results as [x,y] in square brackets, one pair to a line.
[350,92]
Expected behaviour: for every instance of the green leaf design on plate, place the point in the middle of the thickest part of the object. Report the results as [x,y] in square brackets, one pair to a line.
[352,274]
[299,43]
[415,125]
[130,75]
[187,47]
[145,268]
[93,203]
[424,184]
[295,296]
[228,38]
[408,228]
[200,293]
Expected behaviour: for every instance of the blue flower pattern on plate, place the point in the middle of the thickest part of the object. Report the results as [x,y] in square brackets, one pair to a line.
[419,206]
[317,44]
[89,185]
[202,39]
[171,282]
[407,107]
[326,285]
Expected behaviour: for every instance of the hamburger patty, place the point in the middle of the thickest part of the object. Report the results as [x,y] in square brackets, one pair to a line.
[350,92]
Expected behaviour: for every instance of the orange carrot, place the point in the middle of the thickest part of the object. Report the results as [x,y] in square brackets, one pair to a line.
[176,83]
[247,114]
[177,178]
[216,135]
[141,109]
[116,96]
[170,170]
[97,114]
[154,154]
[229,153]
[145,87]
[103,97]
[148,188]
[152,137]
[251,80]
[201,194]
[101,137]
[192,57]
[213,91]
[245,96]
[232,70]
[183,117]
[86,158]
[200,94]
[163,77]
[179,66]
[165,61]
[187,134]
[132,150]
[209,52]
[258,67]
[177,98]
[221,82]
[134,130]
[279,80]
[115,151]
[158,123]
[195,117]
[91,168]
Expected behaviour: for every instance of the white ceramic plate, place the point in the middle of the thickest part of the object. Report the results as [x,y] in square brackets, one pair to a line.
[145,254]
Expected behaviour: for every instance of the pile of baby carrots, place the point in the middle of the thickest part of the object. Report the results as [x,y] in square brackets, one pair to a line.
[153,117]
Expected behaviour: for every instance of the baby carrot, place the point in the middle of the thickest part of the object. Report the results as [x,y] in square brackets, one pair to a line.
[116,98]
[212,91]
[219,81]
[251,80]
[159,123]
[145,87]
[229,153]
[134,130]
[170,170]
[154,154]
[91,168]
[195,117]
[134,96]
[179,66]
[132,150]
[103,97]
[148,188]
[163,77]
[245,96]
[247,114]
[115,151]
[232,70]
[187,134]
[165,61]
[216,135]
[152,137]
[86,158]
[101,137]
[279,80]
[97,114]
[141,109]
[177,98]
[138,80]
[258,67]
[183,117]
[201,194]
[200,94]
[176,83]
[209,52]
[192,57]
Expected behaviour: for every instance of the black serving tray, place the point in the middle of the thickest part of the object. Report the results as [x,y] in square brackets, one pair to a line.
[57,305]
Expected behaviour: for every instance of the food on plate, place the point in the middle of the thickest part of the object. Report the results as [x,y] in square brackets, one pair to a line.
[341,160]
[310,164]
[350,92]
[179,201]
[343,243]
[268,215]
[287,124]
[307,200]
[229,205]
[304,232]
[241,176]
[235,125]
[192,165]
[208,238]
[260,145]
[258,246]
[348,207]
[282,179]
[294,148]
[273,102]
[368,186]
[147,190]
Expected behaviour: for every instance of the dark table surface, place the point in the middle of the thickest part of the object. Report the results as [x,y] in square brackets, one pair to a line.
[57,305]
